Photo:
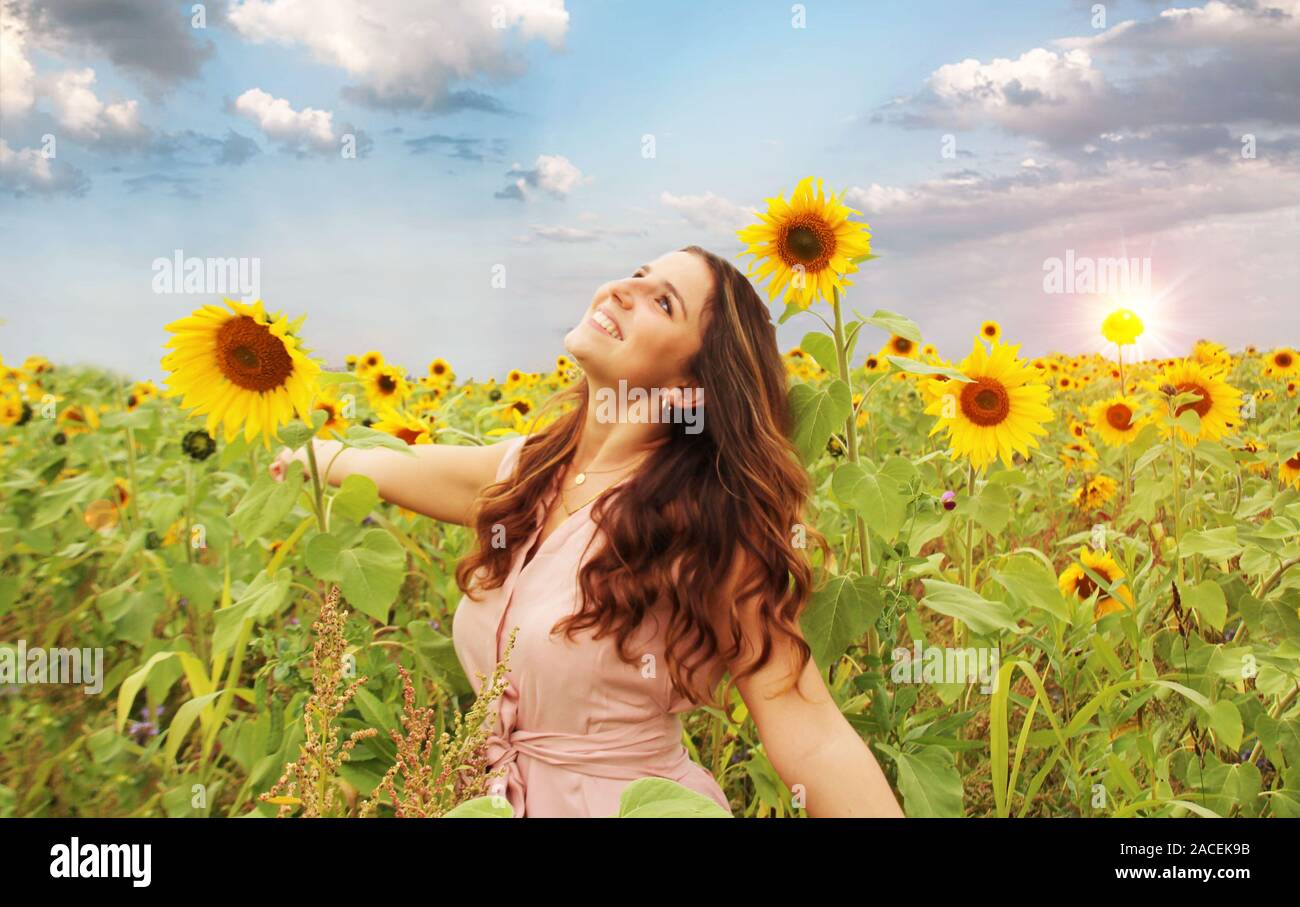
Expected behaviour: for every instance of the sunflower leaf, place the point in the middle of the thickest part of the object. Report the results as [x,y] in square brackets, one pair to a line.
[822,348]
[839,615]
[363,438]
[327,379]
[895,323]
[817,412]
[267,503]
[922,368]
[983,616]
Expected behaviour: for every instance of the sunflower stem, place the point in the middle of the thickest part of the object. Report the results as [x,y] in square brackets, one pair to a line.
[850,424]
[317,493]
[189,510]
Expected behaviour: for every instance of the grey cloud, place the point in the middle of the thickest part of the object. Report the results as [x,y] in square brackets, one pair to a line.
[466,149]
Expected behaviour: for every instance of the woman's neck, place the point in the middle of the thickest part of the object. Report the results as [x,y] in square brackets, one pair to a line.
[605,443]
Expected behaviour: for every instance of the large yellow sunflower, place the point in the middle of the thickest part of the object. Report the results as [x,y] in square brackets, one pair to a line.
[1219,404]
[1116,420]
[999,411]
[806,245]
[242,368]
[1075,582]
[1095,492]
[408,428]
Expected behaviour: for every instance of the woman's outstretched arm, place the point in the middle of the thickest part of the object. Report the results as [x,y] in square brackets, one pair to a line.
[806,737]
[440,481]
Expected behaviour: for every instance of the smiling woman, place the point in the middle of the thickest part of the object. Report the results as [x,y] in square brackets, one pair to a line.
[642,561]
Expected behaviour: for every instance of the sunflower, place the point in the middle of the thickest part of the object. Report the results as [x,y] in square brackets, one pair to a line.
[141,393]
[1289,471]
[997,412]
[37,365]
[241,368]
[1122,327]
[876,364]
[1213,356]
[1078,455]
[440,370]
[1094,493]
[333,408]
[1219,402]
[991,331]
[1254,464]
[386,387]
[806,245]
[350,362]
[11,410]
[1116,420]
[1075,582]
[898,346]
[1282,363]
[368,363]
[408,428]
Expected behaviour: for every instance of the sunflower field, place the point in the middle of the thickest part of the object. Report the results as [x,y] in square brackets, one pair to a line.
[1113,540]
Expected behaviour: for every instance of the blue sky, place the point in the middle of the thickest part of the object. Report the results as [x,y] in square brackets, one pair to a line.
[1068,135]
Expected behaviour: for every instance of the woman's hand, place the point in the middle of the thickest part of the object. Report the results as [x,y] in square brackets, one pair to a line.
[284,460]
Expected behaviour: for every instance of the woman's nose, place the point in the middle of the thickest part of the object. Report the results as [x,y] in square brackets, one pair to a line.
[622,295]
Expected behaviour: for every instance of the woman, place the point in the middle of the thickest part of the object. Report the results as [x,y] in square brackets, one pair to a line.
[642,554]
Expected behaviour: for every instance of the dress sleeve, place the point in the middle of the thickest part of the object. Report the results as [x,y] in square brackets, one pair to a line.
[511,459]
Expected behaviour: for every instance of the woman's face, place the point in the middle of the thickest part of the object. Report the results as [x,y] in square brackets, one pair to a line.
[644,327]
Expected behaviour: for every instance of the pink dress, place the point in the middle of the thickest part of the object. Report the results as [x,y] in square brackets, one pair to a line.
[576,724]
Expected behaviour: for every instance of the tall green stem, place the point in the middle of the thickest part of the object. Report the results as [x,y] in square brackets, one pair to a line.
[317,492]
[850,425]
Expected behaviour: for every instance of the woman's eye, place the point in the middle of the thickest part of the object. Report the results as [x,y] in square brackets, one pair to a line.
[666,303]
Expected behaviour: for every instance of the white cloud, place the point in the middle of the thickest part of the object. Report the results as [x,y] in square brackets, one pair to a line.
[553,174]
[17,76]
[875,198]
[296,129]
[407,53]
[709,211]
[88,119]
[28,171]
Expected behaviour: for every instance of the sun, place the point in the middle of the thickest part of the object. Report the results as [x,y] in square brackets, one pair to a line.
[241,368]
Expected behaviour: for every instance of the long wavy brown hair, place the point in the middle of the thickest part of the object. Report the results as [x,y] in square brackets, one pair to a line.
[675,528]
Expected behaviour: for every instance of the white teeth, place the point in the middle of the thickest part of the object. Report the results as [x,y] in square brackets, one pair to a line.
[607,323]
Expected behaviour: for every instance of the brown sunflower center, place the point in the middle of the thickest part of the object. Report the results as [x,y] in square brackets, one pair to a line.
[1084,587]
[1283,360]
[386,384]
[521,406]
[251,356]
[902,346]
[409,435]
[1119,416]
[1202,406]
[1294,462]
[985,402]
[990,330]
[807,241]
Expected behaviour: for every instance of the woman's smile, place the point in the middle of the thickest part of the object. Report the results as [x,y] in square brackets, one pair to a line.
[606,323]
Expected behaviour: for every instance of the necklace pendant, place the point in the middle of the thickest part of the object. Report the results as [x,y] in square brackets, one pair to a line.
[580,478]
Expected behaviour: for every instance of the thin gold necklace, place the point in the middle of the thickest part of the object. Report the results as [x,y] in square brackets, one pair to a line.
[582,477]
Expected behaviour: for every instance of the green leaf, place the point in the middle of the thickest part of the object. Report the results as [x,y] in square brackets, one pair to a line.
[1225,721]
[660,798]
[817,412]
[929,782]
[267,502]
[1216,544]
[922,368]
[878,498]
[839,615]
[482,808]
[822,348]
[295,434]
[1207,599]
[328,379]
[895,323]
[980,614]
[262,599]
[356,497]
[363,438]
[1029,582]
[369,573]
[990,508]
